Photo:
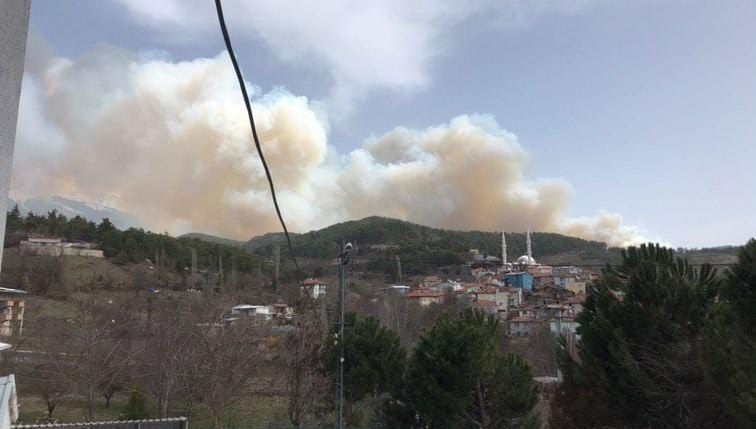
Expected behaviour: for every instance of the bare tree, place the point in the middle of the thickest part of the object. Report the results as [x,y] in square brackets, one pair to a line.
[37,373]
[228,356]
[91,349]
[303,356]
[166,357]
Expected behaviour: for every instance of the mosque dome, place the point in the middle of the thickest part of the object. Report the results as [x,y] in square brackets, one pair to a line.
[526,260]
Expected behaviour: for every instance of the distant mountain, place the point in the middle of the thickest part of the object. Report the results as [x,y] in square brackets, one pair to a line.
[71,208]
[378,240]
[214,239]
[381,237]
[265,240]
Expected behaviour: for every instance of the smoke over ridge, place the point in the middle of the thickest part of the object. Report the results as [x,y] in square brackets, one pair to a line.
[169,142]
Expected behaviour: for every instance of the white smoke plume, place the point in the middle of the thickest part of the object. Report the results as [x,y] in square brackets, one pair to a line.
[170,143]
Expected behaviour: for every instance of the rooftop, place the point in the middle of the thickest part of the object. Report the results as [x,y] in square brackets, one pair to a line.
[425,293]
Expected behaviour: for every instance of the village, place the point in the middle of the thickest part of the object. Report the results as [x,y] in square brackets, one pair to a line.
[526,295]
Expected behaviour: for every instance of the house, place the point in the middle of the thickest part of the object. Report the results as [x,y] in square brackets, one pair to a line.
[566,270]
[523,326]
[539,270]
[430,282]
[486,307]
[8,400]
[541,280]
[314,288]
[499,298]
[259,312]
[451,285]
[519,280]
[563,325]
[396,289]
[477,272]
[574,305]
[281,311]
[426,297]
[562,279]
[514,296]
[576,287]
[46,246]
[12,307]
[8,397]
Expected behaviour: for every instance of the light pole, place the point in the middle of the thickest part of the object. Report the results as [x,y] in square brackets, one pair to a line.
[343,261]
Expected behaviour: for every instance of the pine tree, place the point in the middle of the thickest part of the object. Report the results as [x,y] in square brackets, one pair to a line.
[731,341]
[458,377]
[640,358]
[14,222]
[373,359]
[136,408]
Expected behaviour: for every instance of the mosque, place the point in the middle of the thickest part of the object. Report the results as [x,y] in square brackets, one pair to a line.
[524,260]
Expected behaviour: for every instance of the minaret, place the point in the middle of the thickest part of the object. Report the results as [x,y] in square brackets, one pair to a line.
[503,249]
[530,250]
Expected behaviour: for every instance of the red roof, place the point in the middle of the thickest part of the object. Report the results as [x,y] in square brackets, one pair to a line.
[424,293]
[311,281]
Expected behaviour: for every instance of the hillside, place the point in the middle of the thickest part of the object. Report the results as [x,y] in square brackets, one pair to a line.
[212,239]
[133,258]
[422,249]
[380,231]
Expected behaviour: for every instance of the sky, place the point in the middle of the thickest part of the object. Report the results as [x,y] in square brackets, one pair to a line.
[637,117]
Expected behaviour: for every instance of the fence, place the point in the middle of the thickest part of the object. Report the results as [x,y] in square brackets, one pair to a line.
[170,423]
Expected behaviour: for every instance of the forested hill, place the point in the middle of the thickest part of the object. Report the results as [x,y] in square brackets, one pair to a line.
[135,245]
[213,239]
[385,235]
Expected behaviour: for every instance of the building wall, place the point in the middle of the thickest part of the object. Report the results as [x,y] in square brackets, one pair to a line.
[521,281]
[28,248]
[11,317]
[14,25]
[578,288]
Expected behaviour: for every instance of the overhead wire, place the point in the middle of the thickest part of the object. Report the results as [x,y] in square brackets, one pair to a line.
[240,78]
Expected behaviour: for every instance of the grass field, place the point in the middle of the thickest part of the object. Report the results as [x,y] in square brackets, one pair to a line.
[249,412]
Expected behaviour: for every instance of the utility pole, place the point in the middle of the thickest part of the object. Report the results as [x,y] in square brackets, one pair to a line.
[343,261]
[193,252]
[220,269]
[399,268]
[277,258]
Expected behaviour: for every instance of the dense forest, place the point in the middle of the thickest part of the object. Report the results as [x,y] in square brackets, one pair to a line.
[135,245]
[378,240]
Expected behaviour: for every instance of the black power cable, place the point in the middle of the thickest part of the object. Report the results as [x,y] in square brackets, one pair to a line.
[243,88]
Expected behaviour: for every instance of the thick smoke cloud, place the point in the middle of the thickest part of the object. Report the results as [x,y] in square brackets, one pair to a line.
[170,143]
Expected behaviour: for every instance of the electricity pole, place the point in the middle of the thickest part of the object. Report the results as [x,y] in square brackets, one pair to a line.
[343,261]
[399,269]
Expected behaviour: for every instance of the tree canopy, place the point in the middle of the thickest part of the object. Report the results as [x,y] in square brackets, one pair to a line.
[640,358]
[459,377]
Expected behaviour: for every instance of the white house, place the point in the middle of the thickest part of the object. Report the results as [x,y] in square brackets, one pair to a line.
[260,312]
[8,397]
[314,288]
